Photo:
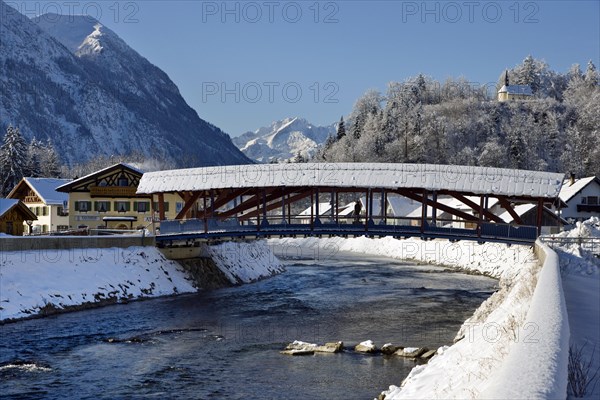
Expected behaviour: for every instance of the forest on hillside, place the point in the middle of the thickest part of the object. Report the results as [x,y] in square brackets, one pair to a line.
[455,122]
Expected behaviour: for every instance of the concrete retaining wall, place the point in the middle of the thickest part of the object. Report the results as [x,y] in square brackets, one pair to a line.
[28,243]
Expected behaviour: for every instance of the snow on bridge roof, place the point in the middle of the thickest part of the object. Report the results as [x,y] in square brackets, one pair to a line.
[464,179]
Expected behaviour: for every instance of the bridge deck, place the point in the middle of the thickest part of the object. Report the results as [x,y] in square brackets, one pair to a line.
[199,230]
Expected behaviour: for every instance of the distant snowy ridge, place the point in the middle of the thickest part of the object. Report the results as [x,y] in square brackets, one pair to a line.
[283,140]
[76,82]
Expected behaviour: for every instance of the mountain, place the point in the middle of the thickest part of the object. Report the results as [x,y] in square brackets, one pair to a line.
[74,81]
[283,140]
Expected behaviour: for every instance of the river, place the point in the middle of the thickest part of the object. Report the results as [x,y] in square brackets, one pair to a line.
[225,343]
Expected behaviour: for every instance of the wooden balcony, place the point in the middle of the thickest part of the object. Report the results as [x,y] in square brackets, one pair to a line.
[588,208]
[112,191]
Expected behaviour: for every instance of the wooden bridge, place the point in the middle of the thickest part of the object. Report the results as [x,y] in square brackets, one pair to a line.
[287,200]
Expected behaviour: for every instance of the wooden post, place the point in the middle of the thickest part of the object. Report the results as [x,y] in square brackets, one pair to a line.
[289,206]
[383,206]
[540,215]
[265,221]
[480,220]
[434,209]
[205,215]
[333,205]
[337,208]
[312,216]
[368,192]
[161,206]
[283,208]
[317,213]
[424,210]
[258,209]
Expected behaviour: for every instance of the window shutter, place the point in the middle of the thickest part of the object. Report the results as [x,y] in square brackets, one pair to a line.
[128,206]
[76,206]
[108,206]
[44,211]
[166,206]
[96,206]
[135,206]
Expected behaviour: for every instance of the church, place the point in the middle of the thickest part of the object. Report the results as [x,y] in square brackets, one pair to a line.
[514,92]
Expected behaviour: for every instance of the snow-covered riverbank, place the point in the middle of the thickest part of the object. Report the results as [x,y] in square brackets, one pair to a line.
[41,282]
[468,368]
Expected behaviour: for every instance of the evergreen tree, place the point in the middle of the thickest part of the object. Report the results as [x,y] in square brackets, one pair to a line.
[591,75]
[34,159]
[50,161]
[13,160]
[341,130]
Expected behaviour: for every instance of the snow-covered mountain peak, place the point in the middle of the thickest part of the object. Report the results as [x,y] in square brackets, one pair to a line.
[70,30]
[283,140]
[74,81]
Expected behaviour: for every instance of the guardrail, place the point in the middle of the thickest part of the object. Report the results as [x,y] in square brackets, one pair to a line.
[214,228]
[590,244]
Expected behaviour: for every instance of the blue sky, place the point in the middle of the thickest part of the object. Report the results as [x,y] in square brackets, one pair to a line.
[243,64]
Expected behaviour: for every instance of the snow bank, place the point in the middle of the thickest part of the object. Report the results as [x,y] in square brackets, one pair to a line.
[39,282]
[245,262]
[492,259]
[537,368]
[46,281]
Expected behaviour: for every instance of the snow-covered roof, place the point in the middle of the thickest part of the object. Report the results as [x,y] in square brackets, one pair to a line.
[516,89]
[8,204]
[520,209]
[46,189]
[402,206]
[75,182]
[324,208]
[463,179]
[568,191]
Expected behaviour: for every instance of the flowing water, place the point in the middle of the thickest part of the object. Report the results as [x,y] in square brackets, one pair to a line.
[225,343]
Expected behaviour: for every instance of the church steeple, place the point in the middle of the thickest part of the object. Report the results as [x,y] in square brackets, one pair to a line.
[506,78]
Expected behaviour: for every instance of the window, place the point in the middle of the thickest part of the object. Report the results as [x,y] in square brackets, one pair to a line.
[123,182]
[178,206]
[584,200]
[166,206]
[592,200]
[102,206]
[62,212]
[62,228]
[122,206]
[44,211]
[141,206]
[83,206]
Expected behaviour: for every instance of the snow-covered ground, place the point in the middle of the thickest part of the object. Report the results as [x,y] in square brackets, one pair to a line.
[47,281]
[581,282]
[501,335]
[245,262]
[38,281]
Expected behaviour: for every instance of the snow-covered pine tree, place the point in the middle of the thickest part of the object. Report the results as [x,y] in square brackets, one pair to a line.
[341,130]
[34,159]
[50,161]
[13,160]
[591,75]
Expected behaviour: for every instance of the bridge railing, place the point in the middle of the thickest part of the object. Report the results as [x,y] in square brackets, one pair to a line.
[285,225]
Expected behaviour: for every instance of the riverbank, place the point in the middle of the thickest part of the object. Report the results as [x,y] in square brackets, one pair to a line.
[468,368]
[36,283]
